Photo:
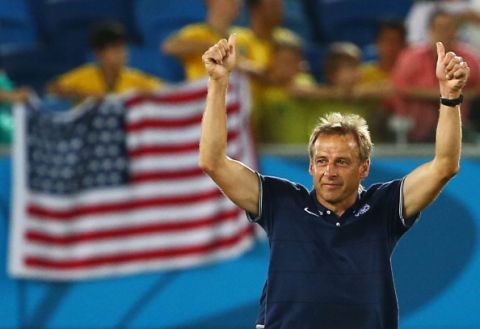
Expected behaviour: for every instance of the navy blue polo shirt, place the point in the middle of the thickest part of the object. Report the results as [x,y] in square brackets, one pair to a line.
[330,272]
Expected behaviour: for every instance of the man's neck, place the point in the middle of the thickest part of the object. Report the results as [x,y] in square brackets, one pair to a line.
[110,76]
[218,24]
[261,29]
[340,207]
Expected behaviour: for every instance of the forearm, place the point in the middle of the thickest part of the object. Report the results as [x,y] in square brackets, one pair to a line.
[448,140]
[213,139]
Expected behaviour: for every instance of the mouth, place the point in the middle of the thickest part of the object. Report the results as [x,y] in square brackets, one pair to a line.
[331,185]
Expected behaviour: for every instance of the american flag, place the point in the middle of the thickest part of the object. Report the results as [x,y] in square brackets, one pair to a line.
[115,187]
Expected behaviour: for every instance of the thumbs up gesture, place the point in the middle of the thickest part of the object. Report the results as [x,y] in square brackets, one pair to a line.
[452,73]
[220,59]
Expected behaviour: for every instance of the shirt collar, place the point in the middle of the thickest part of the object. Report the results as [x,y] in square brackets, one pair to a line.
[324,210]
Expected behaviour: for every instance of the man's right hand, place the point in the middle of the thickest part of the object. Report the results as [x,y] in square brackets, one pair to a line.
[220,59]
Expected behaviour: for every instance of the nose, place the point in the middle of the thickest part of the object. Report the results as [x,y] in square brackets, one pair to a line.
[330,171]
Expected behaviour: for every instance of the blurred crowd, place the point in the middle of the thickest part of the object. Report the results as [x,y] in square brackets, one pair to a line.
[395,89]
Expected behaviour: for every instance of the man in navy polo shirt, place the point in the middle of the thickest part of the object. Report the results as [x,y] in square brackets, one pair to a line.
[331,247]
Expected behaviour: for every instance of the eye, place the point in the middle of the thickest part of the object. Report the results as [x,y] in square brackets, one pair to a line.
[342,162]
[321,161]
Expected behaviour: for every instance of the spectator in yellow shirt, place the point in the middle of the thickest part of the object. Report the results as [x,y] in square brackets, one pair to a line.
[282,117]
[376,84]
[109,74]
[256,43]
[190,42]
[390,41]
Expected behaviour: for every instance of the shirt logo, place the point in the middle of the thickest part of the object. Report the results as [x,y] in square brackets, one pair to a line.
[363,210]
[310,212]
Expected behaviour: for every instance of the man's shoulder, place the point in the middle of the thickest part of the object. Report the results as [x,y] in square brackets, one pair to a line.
[243,34]
[418,49]
[279,184]
[383,189]
[466,51]
[85,71]
[195,29]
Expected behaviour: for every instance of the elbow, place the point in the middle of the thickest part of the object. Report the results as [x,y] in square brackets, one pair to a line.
[453,171]
[208,166]
[449,171]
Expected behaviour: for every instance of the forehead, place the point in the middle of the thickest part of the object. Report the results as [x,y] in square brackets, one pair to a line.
[443,19]
[336,145]
[390,33]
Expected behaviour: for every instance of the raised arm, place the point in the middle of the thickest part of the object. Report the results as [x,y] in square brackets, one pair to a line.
[424,184]
[236,180]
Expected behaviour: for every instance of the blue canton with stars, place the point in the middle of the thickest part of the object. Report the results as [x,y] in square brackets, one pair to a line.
[69,154]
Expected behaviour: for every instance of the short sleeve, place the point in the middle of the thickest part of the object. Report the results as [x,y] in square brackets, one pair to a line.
[273,193]
[263,211]
[75,77]
[141,81]
[391,196]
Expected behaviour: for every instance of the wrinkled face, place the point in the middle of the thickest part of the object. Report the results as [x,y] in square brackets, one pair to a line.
[115,56]
[444,28]
[336,169]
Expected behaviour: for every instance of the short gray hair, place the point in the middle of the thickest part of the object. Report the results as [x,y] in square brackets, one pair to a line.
[344,124]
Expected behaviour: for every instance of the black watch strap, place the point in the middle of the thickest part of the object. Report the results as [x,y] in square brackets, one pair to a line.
[451,102]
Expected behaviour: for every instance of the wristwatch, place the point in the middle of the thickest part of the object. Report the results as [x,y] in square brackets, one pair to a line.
[451,102]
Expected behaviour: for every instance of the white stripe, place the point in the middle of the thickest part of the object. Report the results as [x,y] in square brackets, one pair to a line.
[171,214]
[17,224]
[95,197]
[164,162]
[177,136]
[149,110]
[172,162]
[140,243]
[141,265]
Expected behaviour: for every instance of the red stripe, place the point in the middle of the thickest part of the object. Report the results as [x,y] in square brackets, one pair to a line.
[164,123]
[179,225]
[174,123]
[174,97]
[105,208]
[45,263]
[159,175]
[169,149]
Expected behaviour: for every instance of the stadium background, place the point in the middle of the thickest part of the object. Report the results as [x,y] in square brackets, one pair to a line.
[437,266]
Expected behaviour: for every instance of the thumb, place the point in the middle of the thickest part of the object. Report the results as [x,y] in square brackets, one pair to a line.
[232,41]
[440,51]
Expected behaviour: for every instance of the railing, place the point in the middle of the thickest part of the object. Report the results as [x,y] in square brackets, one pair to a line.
[380,150]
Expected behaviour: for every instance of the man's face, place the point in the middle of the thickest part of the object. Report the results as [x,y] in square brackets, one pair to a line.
[444,28]
[390,43]
[286,64]
[336,169]
[347,75]
[227,8]
[272,11]
[114,56]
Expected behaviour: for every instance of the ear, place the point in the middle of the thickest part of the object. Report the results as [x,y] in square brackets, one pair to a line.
[365,168]
[310,168]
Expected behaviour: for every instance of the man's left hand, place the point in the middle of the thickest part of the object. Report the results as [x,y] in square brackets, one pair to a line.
[452,73]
